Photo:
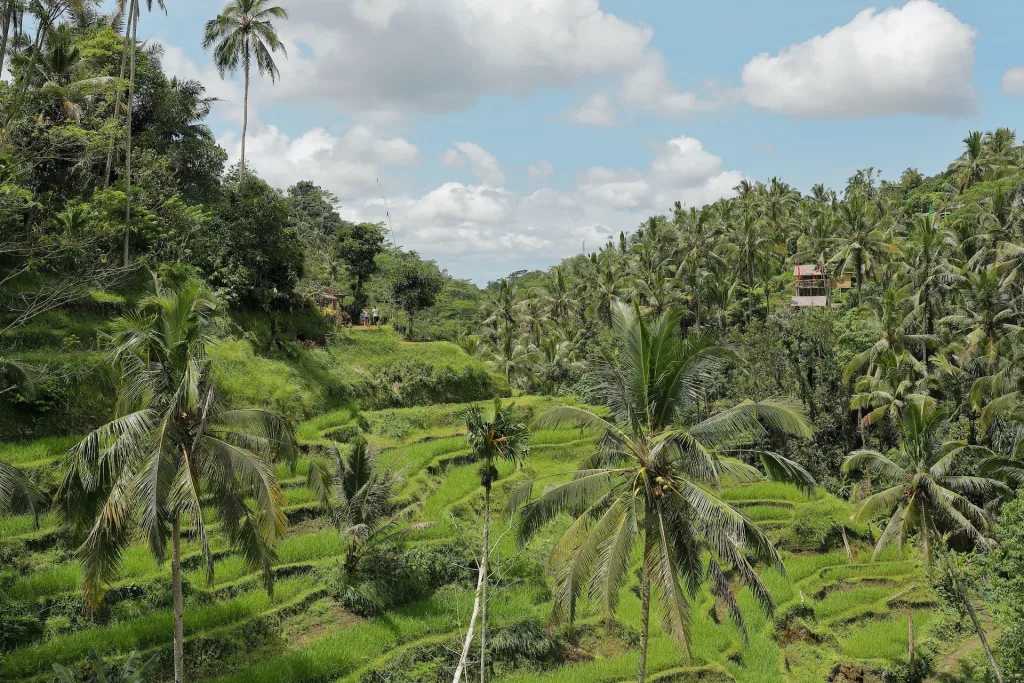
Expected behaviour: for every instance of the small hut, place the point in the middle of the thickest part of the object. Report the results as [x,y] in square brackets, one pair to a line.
[813,286]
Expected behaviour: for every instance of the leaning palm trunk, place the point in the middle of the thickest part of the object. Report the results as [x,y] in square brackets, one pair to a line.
[464,659]
[483,586]
[977,626]
[128,162]
[179,624]
[132,11]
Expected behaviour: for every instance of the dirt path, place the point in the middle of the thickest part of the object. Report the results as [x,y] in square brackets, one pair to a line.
[947,665]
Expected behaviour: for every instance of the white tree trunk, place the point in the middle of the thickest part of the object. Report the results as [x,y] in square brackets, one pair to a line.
[483,587]
[464,659]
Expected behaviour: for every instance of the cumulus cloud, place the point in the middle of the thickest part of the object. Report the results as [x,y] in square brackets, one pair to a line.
[481,162]
[1013,81]
[347,165]
[541,169]
[648,88]
[483,230]
[596,111]
[915,59]
[442,55]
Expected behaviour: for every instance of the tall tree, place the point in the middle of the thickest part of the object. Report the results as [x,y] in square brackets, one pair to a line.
[242,32]
[922,493]
[651,481]
[174,453]
[494,435]
[863,242]
[358,247]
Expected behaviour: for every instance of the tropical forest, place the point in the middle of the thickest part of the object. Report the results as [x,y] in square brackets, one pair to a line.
[243,438]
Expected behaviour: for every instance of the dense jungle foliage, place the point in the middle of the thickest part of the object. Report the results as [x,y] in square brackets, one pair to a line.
[207,473]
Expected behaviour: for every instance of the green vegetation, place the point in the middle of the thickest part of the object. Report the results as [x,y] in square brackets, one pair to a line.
[328,497]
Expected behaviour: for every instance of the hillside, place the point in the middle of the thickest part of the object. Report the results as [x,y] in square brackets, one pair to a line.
[372,367]
[832,613]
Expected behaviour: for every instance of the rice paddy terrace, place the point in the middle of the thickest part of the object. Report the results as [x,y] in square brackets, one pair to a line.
[836,613]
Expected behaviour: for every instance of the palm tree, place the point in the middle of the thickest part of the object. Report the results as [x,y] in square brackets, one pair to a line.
[242,32]
[363,498]
[864,241]
[922,495]
[174,453]
[652,481]
[18,494]
[929,250]
[986,316]
[494,435]
[973,164]
[133,670]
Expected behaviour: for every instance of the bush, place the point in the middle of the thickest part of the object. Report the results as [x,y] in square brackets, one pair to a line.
[388,578]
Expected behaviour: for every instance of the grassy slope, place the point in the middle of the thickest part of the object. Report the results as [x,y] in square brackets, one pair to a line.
[851,612]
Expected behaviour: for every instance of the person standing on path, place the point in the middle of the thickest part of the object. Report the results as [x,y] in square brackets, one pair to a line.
[364,318]
[376,317]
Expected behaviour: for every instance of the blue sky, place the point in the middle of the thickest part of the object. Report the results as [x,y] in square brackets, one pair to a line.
[507,134]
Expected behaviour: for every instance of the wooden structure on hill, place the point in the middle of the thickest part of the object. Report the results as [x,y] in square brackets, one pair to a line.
[814,285]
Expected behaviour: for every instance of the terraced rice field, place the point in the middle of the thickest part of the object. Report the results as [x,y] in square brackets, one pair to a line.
[829,609]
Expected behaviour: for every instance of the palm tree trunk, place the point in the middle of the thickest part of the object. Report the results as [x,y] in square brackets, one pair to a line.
[7,17]
[860,277]
[981,635]
[483,586]
[128,157]
[37,44]
[179,627]
[133,8]
[245,116]
[464,659]
[645,617]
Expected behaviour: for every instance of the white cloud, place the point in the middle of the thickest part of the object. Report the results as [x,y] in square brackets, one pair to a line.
[915,59]
[483,231]
[347,165]
[684,160]
[648,88]
[175,63]
[482,162]
[442,55]
[596,111]
[541,169]
[1013,81]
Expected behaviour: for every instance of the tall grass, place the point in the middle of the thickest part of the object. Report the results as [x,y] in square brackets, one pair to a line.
[37,453]
[887,639]
[155,628]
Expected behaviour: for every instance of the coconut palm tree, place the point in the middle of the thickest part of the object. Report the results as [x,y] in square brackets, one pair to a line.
[864,241]
[494,435]
[132,670]
[973,165]
[364,502]
[922,495]
[173,454]
[652,481]
[244,31]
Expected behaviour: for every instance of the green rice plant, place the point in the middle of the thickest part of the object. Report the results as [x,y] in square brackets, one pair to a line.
[312,430]
[886,639]
[843,602]
[21,525]
[37,453]
[46,581]
[154,629]
[308,547]
[768,490]
[767,512]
